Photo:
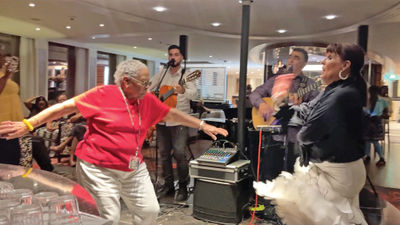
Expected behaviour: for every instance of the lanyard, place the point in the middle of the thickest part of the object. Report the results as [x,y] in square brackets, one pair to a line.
[131,118]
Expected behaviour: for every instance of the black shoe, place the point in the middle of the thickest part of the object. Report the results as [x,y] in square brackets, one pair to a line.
[381,162]
[166,190]
[182,195]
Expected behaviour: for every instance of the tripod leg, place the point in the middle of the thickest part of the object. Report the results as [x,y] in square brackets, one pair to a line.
[372,186]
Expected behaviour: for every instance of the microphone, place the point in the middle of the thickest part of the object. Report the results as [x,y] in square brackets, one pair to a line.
[171,62]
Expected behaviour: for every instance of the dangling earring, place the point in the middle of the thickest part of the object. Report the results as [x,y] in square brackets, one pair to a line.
[342,78]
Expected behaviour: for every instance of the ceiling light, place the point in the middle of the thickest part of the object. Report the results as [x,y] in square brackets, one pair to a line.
[149,38]
[215,24]
[240,1]
[330,17]
[93,37]
[281,31]
[210,56]
[101,25]
[160,8]
[37,28]
[134,47]
[68,27]
[32,4]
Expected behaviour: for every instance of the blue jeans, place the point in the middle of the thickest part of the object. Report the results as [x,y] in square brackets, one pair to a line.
[377,147]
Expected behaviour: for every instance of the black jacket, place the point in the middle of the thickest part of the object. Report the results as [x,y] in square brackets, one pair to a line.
[333,124]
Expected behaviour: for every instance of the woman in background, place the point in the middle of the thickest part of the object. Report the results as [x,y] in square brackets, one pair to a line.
[10,108]
[38,106]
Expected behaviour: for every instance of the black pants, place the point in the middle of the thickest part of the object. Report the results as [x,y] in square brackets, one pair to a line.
[10,151]
[40,154]
[173,139]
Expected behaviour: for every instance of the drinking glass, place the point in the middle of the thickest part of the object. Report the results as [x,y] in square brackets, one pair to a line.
[43,198]
[25,195]
[7,204]
[5,187]
[64,210]
[26,215]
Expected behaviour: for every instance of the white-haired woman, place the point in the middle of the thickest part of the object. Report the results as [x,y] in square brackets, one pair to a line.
[110,164]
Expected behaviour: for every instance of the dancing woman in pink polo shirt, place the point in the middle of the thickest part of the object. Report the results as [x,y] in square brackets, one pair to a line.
[110,163]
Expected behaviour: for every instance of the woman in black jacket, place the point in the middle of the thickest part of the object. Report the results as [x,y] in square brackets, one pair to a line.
[330,173]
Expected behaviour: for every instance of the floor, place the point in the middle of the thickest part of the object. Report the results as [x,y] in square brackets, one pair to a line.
[376,210]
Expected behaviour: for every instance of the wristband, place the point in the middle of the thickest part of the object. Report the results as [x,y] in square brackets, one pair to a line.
[29,125]
[201,125]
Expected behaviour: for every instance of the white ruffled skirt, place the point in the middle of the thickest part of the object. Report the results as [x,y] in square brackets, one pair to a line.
[321,194]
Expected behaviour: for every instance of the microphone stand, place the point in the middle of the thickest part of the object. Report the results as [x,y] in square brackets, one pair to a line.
[157,91]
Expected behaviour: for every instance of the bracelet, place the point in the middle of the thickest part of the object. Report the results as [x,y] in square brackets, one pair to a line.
[201,125]
[29,125]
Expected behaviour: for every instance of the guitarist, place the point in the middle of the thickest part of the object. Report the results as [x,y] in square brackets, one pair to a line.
[173,137]
[273,159]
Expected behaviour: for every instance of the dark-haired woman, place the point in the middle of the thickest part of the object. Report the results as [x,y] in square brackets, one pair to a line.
[330,173]
[39,105]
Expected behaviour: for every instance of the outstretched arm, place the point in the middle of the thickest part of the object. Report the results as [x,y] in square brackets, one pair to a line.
[10,130]
[175,115]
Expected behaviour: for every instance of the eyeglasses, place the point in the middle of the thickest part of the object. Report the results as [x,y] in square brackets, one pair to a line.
[146,83]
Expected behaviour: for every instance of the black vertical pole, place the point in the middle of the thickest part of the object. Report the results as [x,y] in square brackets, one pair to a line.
[244,49]
[362,39]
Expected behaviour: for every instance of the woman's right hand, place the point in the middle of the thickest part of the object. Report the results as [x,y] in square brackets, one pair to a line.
[10,130]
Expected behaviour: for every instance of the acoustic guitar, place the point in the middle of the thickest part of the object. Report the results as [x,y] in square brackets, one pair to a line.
[258,119]
[167,93]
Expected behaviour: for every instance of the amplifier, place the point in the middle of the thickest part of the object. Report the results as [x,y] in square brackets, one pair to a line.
[221,202]
[231,173]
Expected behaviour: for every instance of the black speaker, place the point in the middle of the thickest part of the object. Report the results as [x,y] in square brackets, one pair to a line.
[220,202]
[363,37]
[183,39]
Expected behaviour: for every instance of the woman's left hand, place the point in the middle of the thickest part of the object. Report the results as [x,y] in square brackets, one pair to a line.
[10,130]
[213,131]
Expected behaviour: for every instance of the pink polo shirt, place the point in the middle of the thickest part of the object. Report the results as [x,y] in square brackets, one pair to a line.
[110,139]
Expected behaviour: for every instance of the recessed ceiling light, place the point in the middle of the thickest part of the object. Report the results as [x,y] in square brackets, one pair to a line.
[210,56]
[160,8]
[215,24]
[134,47]
[93,37]
[240,1]
[68,27]
[149,38]
[37,28]
[101,25]
[281,31]
[32,4]
[330,17]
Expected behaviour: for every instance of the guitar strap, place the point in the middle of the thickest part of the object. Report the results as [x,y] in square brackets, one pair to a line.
[182,72]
